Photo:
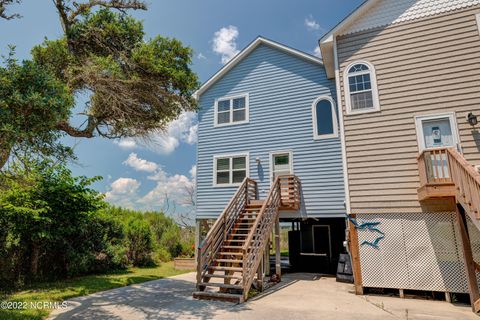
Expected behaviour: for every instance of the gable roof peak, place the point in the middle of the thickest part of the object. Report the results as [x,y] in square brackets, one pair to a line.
[245,52]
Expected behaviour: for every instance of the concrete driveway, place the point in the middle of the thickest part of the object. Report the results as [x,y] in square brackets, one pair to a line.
[299,296]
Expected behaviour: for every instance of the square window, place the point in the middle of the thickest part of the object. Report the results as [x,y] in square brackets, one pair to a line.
[223,117]
[230,170]
[238,176]
[231,110]
[223,105]
[239,103]
[223,164]
[238,115]
[223,177]
[239,163]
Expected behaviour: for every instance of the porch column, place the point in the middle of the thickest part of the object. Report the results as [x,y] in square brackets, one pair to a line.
[278,266]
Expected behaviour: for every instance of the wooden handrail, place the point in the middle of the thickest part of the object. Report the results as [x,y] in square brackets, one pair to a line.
[448,166]
[256,242]
[207,250]
[467,183]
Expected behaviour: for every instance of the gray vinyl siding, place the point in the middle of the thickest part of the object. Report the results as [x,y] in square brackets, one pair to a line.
[426,66]
[281,89]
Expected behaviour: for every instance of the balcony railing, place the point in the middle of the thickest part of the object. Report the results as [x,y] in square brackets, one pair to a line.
[435,174]
[290,195]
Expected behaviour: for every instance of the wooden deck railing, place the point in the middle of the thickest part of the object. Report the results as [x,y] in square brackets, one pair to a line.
[222,226]
[435,176]
[290,192]
[446,173]
[467,183]
[257,239]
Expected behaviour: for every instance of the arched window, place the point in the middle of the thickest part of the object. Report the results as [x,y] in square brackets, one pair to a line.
[361,88]
[324,118]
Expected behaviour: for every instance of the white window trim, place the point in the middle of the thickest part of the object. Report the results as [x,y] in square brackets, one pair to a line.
[271,154]
[316,136]
[373,80]
[231,123]
[419,128]
[230,155]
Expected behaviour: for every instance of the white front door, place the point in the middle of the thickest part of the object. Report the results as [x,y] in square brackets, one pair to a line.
[281,164]
[437,131]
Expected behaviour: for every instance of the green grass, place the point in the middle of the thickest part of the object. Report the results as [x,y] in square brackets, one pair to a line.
[62,290]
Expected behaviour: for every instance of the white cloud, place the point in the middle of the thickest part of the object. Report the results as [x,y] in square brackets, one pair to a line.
[183,129]
[224,42]
[311,24]
[126,144]
[123,192]
[200,56]
[193,172]
[140,164]
[172,189]
[317,52]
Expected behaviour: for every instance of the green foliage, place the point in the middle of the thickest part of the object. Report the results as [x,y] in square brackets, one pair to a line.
[50,226]
[32,102]
[53,226]
[132,86]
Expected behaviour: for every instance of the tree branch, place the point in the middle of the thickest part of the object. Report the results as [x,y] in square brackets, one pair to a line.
[82,8]
[88,132]
[3,8]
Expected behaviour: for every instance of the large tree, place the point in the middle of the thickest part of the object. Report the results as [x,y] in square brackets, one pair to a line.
[129,86]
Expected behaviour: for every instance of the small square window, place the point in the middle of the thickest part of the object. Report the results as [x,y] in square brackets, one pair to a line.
[231,110]
[230,170]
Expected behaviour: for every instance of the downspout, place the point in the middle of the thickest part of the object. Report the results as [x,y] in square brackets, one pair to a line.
[342,139]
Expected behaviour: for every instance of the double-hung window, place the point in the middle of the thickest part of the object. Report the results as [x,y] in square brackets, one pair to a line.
[231,110]
[360,88]
[230,170]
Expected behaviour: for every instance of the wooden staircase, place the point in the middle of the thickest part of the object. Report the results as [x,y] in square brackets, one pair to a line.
[444,173]
[228,260]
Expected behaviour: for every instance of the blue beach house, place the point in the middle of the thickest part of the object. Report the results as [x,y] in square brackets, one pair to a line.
[269,155]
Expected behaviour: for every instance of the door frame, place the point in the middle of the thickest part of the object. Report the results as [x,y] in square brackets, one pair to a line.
[453,125]
[329,238]
[271,163]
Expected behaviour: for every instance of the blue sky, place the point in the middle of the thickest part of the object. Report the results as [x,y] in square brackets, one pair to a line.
[139,175]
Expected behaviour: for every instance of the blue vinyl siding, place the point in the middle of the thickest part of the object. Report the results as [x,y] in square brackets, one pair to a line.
[282,89]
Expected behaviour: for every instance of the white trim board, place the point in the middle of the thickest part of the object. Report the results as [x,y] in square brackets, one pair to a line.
[245,52]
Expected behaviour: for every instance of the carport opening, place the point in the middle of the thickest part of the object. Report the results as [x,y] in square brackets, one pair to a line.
[310,245]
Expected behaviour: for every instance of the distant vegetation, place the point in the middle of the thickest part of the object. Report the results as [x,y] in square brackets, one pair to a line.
[54,226]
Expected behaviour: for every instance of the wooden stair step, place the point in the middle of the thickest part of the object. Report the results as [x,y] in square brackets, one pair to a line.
[222,276]
[221,285]
[232,247]
[219,268]
[226,253]
[229,261]
[205,295]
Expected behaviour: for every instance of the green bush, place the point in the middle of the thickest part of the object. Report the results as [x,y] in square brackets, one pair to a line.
[50,226]
[53,226]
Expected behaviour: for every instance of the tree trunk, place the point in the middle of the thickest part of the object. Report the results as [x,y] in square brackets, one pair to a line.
[34,260]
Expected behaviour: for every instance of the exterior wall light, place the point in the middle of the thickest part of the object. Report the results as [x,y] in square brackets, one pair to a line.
[258,160]
[472,119]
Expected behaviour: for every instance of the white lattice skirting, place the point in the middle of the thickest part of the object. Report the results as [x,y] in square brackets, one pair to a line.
[419,251]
